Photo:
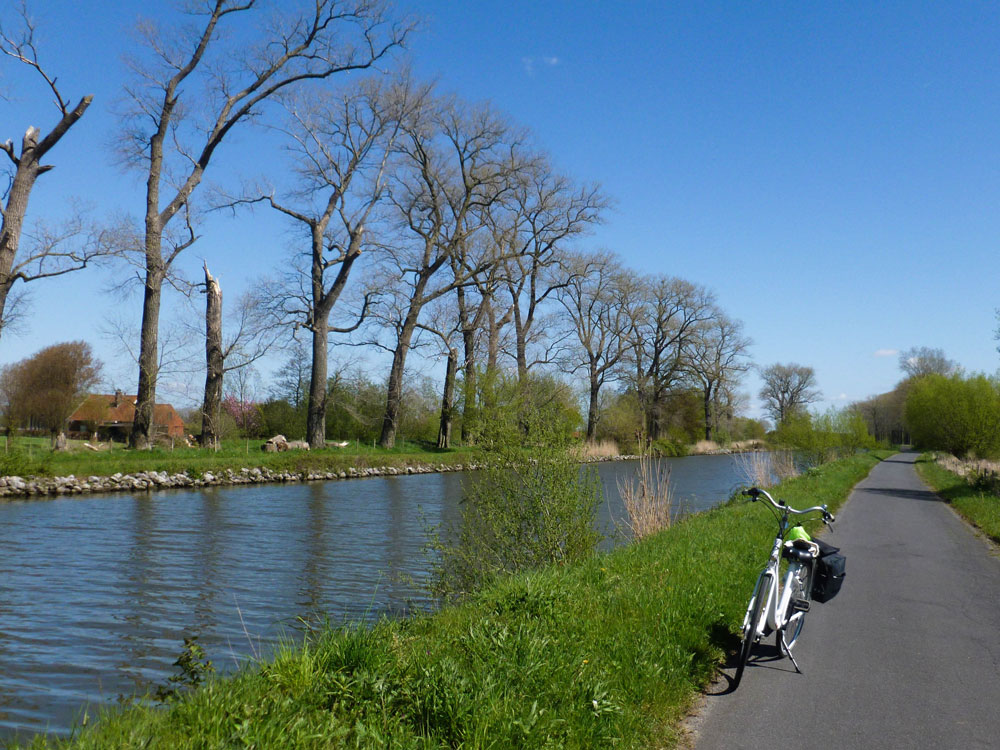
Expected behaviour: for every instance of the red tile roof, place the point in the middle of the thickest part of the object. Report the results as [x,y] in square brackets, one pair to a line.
[111,409]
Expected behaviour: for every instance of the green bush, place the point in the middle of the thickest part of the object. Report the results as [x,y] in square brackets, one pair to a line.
[957,414]
[544,400]
[523,511]
[667,448]
[21,463]
[622,420]
[281,418]
[817,439]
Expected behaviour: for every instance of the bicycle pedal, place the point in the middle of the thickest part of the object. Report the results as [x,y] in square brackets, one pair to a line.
[800,605]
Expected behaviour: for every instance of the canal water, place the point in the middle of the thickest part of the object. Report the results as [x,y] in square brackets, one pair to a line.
[98,592]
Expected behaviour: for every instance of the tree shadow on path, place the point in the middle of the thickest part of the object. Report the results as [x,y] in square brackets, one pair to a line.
[925,495]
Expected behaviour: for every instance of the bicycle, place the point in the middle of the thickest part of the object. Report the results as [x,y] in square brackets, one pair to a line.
[775,606]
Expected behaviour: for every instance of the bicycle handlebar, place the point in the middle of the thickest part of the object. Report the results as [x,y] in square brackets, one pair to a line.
[755,493]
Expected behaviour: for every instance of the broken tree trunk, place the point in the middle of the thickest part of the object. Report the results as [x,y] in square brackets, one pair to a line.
[211,408]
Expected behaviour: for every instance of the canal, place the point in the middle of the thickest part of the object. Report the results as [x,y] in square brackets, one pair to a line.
[98,592]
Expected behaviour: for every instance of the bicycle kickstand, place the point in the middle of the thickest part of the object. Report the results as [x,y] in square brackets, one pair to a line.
[788,651]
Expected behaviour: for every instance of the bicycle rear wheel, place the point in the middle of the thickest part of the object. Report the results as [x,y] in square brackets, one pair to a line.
[794,620]
[751,624]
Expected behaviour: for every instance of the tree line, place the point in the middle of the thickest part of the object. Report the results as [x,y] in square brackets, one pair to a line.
[937,406]
[421,221]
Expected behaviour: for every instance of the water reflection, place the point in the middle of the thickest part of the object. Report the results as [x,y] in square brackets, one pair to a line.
[98,592]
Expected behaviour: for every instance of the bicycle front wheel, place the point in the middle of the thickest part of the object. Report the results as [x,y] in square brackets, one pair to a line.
[751,625]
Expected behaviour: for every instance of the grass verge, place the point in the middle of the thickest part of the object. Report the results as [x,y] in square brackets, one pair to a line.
[609,652]
[981,509]
[32,457]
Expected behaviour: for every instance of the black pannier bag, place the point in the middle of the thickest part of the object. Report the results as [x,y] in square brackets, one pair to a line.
[829,573]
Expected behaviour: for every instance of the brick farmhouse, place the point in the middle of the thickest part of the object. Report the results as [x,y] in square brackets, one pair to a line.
[111,417]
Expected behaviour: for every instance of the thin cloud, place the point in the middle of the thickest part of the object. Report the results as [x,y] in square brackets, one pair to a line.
[529,63]
[886,352]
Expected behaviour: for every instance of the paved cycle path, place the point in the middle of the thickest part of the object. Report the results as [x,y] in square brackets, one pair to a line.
[906,656]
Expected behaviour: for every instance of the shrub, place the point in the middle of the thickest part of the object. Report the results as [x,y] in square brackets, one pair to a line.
[19,463]
[279,417]
[667,448]
[957,414]
[522,512]
[825,437]
[544,400]
[622,420]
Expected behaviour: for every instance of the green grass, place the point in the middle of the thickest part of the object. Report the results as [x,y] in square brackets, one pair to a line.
[982,509]
[609,652]
[32,456]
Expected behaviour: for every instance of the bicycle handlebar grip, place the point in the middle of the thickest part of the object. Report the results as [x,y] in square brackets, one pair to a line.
[753,493]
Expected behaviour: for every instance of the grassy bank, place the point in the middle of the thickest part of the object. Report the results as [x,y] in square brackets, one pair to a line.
[610,652]
[33,457]
[980,508]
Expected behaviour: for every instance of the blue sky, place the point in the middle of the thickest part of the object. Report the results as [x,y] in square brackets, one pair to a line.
[828,169]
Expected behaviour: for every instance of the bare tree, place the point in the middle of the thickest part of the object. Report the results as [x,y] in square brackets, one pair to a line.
[601,300]
[787,389]
[52,254]
[173,151]
[342,146]
[718,355]
[922,360]
[659,342]
[541,213]
[456,163]
[292,384]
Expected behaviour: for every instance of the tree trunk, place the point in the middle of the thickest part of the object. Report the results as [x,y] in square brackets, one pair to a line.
[595,390]
[27,169]
[708,412]
[493,340]
[316,410]
[394,391]
[470,412]
[521,346]
[211,407]
[447,401]
[13,216]
[655,415]
[142,425]
[490,384]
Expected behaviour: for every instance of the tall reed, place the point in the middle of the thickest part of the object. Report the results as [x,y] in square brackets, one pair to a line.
[598,449]
[648,497]
[767,468]
[756,468]
[783,465]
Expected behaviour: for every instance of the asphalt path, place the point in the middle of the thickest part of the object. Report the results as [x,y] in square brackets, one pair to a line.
[906,656]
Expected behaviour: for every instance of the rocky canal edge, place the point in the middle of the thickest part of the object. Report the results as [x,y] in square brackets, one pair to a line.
[17,487]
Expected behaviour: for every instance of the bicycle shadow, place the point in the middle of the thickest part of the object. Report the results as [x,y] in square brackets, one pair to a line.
[765,655]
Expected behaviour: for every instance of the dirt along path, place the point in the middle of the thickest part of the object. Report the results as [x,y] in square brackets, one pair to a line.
[907,656]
